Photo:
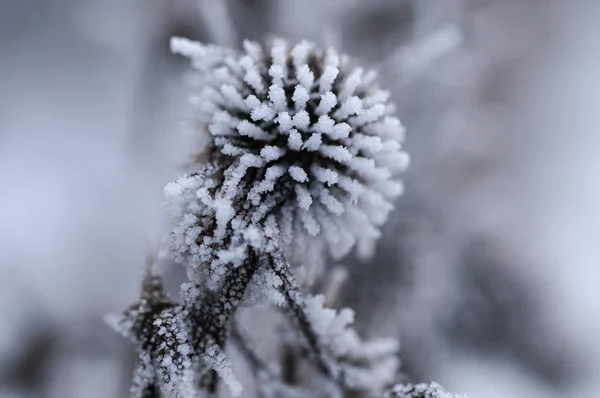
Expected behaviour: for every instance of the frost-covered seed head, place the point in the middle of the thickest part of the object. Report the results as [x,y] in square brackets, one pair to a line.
[298,133]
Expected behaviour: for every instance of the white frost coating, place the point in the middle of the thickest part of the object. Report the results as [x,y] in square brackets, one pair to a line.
[263,112]
[304,198]
[337,153]
[224,212]
[331,203]
[324,125]
[277,73]
[285,122]
[298,174]
[370,115]
[327,103]
[305,77]
[270,153]
[327,79]
[252,101]
[251,130]
[327,176]
[301,120]
[300,97]
[351,106]
[232,95]
[295,140]
[313,143]
[277,97]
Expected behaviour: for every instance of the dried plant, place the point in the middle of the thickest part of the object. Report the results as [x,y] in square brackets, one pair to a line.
[297,156]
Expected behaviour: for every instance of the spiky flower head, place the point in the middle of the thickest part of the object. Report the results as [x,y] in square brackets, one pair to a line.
[300,134]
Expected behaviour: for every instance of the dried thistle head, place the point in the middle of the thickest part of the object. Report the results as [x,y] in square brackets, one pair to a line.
[300,134]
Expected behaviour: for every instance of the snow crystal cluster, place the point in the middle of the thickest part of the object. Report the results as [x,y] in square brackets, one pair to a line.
[298,133]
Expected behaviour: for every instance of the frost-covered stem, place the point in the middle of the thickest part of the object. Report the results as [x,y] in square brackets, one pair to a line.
[222,306]
[293,299]
[225,302]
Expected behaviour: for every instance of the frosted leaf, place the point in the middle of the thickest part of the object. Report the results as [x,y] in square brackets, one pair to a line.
[231,150]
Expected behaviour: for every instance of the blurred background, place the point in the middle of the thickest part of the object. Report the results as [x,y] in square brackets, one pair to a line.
[489,270]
